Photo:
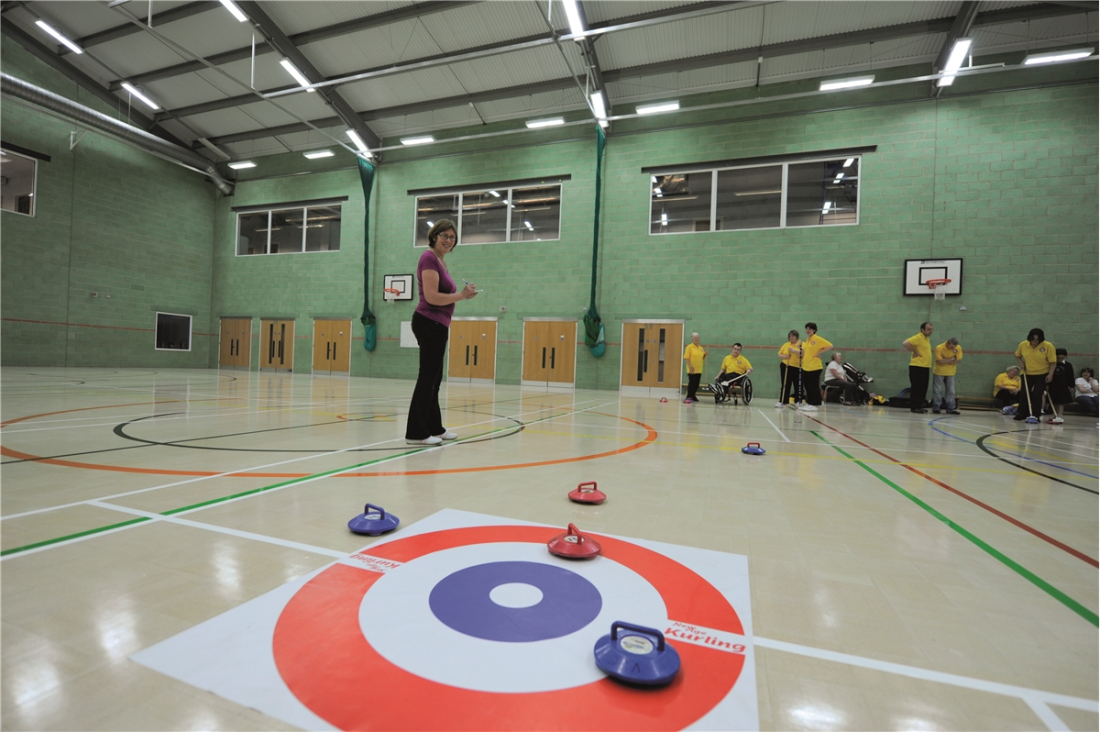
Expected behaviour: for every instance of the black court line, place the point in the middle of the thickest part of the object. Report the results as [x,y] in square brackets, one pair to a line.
[988,451]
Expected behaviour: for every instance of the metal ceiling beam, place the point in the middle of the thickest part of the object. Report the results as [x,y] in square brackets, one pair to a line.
[121,31]
[298,39]
[85,82]
[959,29]
[838,40]
[592,62]
[278,40]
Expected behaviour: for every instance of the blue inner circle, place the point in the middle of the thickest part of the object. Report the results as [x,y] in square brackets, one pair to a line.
[461,602]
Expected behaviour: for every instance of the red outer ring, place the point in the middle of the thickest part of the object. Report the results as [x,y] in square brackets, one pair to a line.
[330,667]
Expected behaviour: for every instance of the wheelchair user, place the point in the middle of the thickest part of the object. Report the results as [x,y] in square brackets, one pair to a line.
[734,368]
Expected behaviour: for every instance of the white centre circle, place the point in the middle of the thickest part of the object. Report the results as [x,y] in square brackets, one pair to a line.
[516,594]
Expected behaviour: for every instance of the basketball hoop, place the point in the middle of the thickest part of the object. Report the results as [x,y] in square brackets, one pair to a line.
[390,294]
[938,288]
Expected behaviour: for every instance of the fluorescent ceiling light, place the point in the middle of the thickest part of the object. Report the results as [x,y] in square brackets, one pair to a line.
[430,224]
[242,165]
[535,124]
[657,192]
[46,27]
[573,15]
[494,194]
[290,69]
[528,225]
[848,162]
[828,205]
[757,193]
[599,108]
[133,90]
[959,53]
[359,144]
[850,83]
[419,140]
[839,176]
[318,154]
[232,7]
[664,219]
[1052,57]
[659,107]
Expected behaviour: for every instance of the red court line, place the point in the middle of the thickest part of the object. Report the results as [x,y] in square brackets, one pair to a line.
[1015,522]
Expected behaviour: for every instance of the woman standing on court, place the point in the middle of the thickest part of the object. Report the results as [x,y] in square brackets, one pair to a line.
[790,361]
[1037,359]
[431,323]
[811,368]
[693,357]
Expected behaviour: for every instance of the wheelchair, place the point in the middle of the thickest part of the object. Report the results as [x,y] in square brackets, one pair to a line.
[740,387]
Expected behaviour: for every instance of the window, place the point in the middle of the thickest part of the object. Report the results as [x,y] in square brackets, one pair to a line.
[803,193]
[491,215]
[173,332]
[18,175]
[286,230]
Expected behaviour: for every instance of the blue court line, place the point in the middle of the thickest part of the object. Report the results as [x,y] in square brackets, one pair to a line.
[932,424]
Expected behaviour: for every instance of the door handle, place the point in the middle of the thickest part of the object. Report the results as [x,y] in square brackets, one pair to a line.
[475,355]
[467,355]
[645,362]
[544,358]
[328,351]
[334,350]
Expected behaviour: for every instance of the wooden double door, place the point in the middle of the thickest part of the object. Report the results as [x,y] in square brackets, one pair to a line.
[277,345]
[549,352]
[235,343]
[331,346]
[652,361]
[472,355]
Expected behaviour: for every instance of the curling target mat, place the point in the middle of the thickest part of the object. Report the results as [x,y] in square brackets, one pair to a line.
[466,621]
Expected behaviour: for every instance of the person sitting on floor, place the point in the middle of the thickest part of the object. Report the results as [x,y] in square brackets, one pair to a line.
[1087,391]
[1006,389]
[836,376]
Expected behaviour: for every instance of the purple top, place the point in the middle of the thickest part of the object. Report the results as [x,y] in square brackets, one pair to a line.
[439,313]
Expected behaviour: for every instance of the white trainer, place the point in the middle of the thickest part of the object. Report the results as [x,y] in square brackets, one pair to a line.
[780,404]
[426,441]
[448,435]
[809,408]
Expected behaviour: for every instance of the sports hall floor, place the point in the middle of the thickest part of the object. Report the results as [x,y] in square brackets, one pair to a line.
[905,571]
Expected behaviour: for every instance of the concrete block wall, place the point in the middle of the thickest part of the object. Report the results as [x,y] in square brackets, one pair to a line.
[112,220]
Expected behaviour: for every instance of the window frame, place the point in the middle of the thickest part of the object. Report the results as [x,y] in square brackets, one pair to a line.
[190,331]
[304,208]
[34,182]
[784,166]
[510,187]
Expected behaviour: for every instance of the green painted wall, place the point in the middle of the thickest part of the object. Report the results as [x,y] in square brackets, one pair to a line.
[1006,180]
[111,220]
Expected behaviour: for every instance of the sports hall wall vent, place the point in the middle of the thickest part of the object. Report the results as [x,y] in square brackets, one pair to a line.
[467,187]
[844,152]
[289,204]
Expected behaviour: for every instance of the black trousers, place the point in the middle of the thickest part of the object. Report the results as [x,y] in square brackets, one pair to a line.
[848,389]
[693,384]
[1033,385]
[1006,398]
[789,374]
[811,381]
[918,385]
[424,418]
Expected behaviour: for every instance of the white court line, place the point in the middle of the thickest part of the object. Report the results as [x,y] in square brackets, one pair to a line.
[1053,722]
[223,530]
[915,672]
[773,426]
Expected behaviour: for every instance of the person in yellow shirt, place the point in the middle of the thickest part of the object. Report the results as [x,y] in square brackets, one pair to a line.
[1006,389]
[920,366]
[812,349]
[733,365]
[693,357]
[790,361]
[947,356]
[1037,360]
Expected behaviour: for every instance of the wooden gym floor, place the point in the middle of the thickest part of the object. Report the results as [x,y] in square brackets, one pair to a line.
[906,571]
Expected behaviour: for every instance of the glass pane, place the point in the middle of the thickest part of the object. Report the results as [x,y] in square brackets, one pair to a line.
[174,331]
[430,210]
[680,202]
[286,231]
[749,198]
[484,217]
[536,214]
[252,233]
[17,183]
[323,229]
[822,194]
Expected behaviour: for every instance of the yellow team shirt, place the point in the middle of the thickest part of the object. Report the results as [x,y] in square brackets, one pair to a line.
[923,355]
[1036,360]
[811,350]
[739,365]
[693,354]
[945,351]
[1004,382]
[791,354]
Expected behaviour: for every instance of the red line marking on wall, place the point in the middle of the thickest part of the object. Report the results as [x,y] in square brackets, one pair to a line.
[1015,522]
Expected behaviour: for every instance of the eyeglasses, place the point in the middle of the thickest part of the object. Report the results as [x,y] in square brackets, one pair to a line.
[447,237]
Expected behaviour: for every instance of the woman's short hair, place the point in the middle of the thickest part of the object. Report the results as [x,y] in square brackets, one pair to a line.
[1036,332]
[812,326]
[1013,367]
[694,334]
[1090,372]
[438,228]
[793,333]
[837,354]
[952,341]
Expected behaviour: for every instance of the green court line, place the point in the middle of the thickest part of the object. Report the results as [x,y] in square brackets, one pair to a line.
[170,512]
[1019,569]
[47,542]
